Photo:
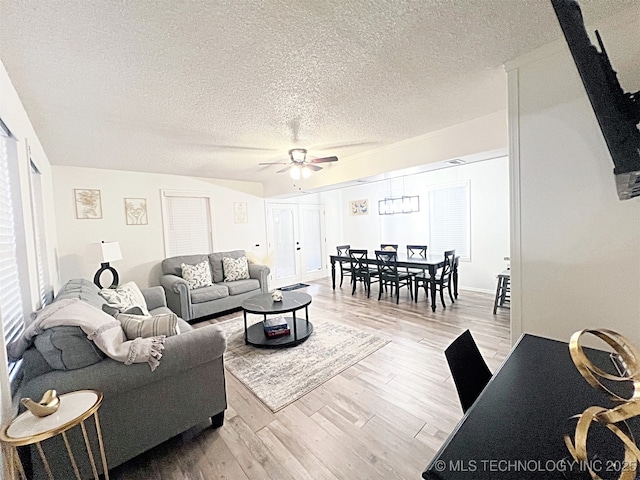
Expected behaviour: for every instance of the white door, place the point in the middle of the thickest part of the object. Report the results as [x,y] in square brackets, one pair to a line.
[296,237]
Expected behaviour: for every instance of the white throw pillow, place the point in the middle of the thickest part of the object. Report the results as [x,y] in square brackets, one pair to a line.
[135,326]
[197,276]
[235,268]
[125,297]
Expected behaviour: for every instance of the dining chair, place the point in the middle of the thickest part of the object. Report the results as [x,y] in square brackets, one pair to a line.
[468,369]
[441,280]
[389,246]
[343,251]
[360,270]
[388,274]
[503,291]
[416,251]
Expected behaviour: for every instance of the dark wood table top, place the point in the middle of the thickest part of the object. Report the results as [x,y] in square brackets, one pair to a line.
[264,303]
[516,427]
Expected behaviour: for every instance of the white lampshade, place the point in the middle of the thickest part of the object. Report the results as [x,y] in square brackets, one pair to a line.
[109,252]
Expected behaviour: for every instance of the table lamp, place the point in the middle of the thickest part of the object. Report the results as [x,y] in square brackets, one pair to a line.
[108,252]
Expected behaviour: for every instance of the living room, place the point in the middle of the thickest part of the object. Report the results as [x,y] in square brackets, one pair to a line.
[574,245]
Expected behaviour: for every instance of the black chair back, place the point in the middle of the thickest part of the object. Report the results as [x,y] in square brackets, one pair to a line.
[343,250]
[417,251]
[468,368]
[449,261]
[387,265]
[356,257]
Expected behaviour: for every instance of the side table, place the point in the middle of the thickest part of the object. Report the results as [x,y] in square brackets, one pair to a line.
[27,429]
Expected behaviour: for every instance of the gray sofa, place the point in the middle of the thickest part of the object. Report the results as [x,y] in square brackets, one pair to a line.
[220,297]
[140,408]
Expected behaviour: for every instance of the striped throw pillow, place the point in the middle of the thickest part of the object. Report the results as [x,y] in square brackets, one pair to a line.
[135,326]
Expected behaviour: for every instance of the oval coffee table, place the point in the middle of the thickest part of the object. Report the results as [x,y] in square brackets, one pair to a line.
[301,328]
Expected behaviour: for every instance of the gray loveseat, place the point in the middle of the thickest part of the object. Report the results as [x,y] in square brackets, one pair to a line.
[140,408]
[221,296]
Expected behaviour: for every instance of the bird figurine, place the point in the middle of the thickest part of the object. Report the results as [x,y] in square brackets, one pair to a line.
[46,406]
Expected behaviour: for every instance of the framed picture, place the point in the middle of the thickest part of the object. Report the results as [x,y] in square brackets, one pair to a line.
[88,203]
[360,207]
[240,212]
[136,211]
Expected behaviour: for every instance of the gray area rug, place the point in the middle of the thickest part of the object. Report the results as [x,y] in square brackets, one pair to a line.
[279,377]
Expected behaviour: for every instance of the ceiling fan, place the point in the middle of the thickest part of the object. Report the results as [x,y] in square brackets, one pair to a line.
[299,166]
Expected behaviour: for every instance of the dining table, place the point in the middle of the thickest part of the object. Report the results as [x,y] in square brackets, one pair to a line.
[430,264]
[516,427]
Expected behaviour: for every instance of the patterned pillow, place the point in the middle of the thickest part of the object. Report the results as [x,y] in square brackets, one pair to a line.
[197,275]
[135,326]
[125,297]
[235,269]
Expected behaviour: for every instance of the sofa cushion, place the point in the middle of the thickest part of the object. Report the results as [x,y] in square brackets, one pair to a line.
[67,348]
[197,276]
[242,286]
[125,297]
[135,326]
[235,268]
[206,294]
[215,259]
[173,265]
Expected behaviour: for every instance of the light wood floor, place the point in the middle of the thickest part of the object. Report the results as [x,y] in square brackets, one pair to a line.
[383,418]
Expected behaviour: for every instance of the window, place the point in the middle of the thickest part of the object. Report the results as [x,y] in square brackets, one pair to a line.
[187,224]
[449,220]
[11,307]
[45,290]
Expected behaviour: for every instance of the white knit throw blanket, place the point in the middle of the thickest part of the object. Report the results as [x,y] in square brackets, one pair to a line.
[100,327]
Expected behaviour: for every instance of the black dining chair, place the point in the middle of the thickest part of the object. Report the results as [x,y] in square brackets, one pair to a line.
[468,369]
[388,274]
[345,266]
[416,251]
[360,270]
[389,246]
[442,280]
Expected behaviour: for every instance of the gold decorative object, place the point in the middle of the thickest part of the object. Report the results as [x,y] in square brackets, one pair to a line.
[614,419]
[46,406]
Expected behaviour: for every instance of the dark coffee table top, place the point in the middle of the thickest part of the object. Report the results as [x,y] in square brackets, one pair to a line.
[264,303]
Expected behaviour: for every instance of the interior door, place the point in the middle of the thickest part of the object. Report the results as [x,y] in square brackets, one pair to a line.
[296,240]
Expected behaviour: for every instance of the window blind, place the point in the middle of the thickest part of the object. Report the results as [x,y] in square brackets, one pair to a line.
[45,290]
[188,229]
[449,220]
[11,308]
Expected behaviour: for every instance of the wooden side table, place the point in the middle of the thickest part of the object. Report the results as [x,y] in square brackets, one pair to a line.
[27,429]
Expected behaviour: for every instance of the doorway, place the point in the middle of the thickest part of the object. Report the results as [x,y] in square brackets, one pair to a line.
[296,239]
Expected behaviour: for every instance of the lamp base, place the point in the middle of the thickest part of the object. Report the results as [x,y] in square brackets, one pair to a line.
[103,268]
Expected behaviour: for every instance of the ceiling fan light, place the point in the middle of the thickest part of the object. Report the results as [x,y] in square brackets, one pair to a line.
[295,172]
[306,172]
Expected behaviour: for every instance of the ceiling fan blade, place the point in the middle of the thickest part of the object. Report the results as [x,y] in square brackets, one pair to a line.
[324,160]
[282,170]
[273,163]
[315,168]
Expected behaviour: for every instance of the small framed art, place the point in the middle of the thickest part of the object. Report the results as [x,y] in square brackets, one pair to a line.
[136,211]
[88,203]
[360,207]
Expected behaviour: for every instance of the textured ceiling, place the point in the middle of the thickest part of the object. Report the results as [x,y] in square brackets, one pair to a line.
[204,88]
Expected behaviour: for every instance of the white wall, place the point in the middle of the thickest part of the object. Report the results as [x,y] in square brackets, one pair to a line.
[142,246]
[576,249]
[489,189]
